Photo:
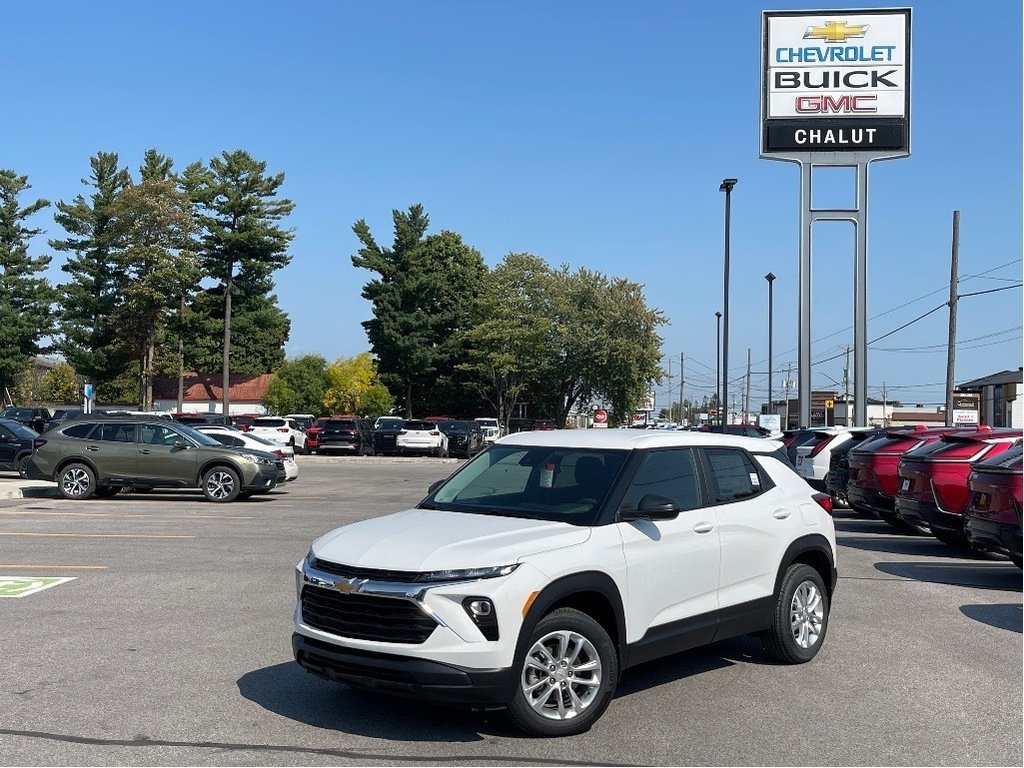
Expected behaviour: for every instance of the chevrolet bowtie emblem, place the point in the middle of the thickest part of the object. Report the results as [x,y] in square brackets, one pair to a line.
[347,586]
[835,31]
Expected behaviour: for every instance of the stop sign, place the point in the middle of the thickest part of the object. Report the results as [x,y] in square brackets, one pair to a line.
[600,416]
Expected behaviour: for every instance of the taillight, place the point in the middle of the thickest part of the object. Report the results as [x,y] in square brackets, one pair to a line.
[820,445]
[38,443]
[824,501]
[282,429]
[435,433]
[279,454]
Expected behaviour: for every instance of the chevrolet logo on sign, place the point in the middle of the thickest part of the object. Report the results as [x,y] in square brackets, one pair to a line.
[835,31]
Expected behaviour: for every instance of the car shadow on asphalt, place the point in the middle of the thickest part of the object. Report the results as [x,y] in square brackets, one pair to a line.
[1000,576]
[188,497]
[291,692]
[1000,615]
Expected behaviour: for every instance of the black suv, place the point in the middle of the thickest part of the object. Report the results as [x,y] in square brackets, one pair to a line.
[385,433]
[344,435]
[465,438]
[33,418]
[16,442]
[98,455]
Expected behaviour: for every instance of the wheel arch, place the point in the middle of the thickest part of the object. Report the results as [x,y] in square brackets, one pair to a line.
[592,592]
[63,463]
[217,462]
[813,550]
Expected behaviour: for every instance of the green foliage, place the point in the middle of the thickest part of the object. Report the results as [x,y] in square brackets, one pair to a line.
[61,385]
[25,295]
[89,299]
[422,301]
[151,235]
[354,387]
[298,386]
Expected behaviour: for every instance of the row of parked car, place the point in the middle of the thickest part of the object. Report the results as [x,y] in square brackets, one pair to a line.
[961,485]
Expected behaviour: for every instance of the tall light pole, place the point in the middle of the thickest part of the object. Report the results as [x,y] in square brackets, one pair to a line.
[771,403]
[726,186]
[718,364]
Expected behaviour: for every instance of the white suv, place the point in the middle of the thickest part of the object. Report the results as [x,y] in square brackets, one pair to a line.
[554,560]
[280,430]
[490,428]
[812,458]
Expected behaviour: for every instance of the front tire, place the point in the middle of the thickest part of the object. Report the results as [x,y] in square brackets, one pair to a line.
[77,481]
[801,617]
[221,485]
[21,465]
[566,676]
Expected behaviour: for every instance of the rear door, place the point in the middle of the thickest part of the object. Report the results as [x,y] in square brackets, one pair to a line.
[111,447]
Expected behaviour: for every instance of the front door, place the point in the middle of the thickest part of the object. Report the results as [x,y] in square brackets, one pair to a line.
[162,460]
[672,565]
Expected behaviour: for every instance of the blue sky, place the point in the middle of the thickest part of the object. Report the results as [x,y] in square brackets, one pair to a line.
[589,133]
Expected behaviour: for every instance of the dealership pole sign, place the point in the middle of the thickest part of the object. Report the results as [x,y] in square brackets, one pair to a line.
[836,81]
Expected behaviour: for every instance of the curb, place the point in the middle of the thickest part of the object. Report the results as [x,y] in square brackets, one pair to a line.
[26,489]
[325,459]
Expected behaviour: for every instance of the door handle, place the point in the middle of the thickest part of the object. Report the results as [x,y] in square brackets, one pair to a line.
[705,527]
[781,514]
[92,447]
[144,450]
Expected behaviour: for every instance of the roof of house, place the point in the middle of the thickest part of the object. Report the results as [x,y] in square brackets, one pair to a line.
[207,388]
[995,379]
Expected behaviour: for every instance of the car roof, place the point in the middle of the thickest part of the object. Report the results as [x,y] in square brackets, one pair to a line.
[630,439]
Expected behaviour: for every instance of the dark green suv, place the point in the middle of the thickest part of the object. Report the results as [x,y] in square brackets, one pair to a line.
[95,455]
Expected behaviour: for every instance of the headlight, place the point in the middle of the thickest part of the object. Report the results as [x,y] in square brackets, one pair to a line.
[468,574]
[255,459]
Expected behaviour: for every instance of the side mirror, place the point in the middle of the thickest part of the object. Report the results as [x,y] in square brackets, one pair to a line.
[652,507]
[434,486]
[180,445]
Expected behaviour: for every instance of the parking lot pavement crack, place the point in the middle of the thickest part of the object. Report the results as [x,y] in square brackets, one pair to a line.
[360,756]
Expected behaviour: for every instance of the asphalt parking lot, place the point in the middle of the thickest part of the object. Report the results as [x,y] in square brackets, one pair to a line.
[170,645]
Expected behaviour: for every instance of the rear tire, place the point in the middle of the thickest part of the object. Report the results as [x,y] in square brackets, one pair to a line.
[21,465]
[801,617]
[76,481]
[566,676]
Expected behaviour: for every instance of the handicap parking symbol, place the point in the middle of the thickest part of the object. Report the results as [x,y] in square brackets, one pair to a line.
[20,586]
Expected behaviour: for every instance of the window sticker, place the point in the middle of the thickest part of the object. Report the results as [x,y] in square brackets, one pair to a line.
[755,480]
[547,476]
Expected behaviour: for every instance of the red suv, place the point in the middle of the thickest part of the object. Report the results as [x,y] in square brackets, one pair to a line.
[932,490]
[871,487]
[313,434]
[992,519]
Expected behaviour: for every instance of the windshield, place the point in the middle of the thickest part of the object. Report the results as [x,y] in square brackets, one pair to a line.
[565,485]
[455,427]
[197,436]
[388,424]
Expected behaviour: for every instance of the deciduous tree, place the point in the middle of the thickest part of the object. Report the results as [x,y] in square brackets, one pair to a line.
[298,386]
[354,387]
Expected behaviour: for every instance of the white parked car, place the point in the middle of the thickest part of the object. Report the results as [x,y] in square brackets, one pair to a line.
[491,429]
[234,438]
[280,430]
[812,458]
[554,560]
[421,437]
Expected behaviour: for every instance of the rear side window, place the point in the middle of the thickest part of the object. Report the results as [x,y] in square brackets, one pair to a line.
[81,431]
[672,474]
[268,422]
[115,433]
[733,475]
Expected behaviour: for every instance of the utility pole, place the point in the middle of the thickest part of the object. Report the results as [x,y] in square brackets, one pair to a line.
[951,344]
[670,388]
[885,407]
[746,397]
[789,383]
[682,384]
[846,386]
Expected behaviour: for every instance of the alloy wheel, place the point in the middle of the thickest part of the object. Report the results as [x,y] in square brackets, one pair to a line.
[75,482]
[806,614]
[561,675]
[220,485]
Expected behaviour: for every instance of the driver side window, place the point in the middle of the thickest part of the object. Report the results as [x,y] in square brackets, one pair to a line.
[671,474]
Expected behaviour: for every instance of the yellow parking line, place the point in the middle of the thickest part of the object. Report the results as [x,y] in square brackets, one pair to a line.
[101,535]
[63,567]
[40,513]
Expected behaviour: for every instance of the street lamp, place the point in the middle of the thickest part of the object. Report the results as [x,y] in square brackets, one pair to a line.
[718,369]
[771,403]
[726,186]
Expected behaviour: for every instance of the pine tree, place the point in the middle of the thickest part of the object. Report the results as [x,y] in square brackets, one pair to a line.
[90,298]
[25,295]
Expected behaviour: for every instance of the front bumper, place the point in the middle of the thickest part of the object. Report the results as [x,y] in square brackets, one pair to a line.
[404,675]
[264,480]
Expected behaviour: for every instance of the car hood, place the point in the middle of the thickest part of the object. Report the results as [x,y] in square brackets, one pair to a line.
[430,540]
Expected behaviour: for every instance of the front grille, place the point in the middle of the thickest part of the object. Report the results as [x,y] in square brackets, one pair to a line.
[365,617]
[373,574]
